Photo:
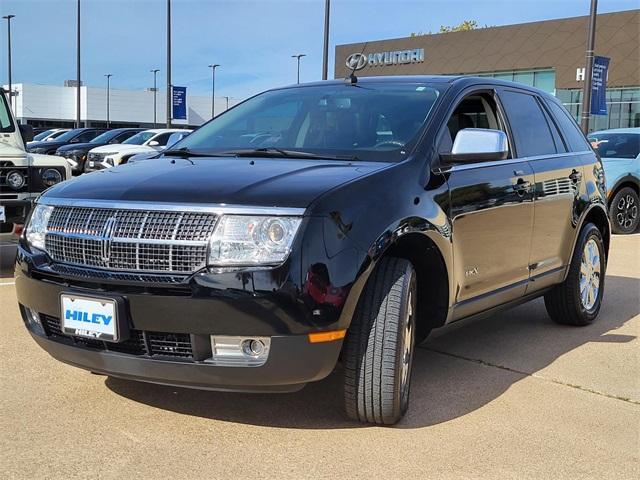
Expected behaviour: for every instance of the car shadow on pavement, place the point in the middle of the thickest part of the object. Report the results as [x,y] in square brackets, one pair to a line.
[457,370]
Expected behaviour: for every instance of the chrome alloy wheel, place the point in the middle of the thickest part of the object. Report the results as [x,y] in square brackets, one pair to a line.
[407,349]
[590,274]
[626,211]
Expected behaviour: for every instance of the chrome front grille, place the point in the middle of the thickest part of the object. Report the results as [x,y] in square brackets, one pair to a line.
[130,240]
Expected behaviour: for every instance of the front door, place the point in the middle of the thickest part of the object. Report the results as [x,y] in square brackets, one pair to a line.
[491,212]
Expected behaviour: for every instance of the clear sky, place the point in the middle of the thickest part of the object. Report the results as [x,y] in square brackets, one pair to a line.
[252,40]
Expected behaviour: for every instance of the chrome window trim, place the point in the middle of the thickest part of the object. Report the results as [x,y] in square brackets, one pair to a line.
[510,161]
[216,208]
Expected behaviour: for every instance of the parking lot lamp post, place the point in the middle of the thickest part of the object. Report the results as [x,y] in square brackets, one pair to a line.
[213,88]
[588,71]
[8,18]
[78,80]
[169,99]
[108,75]
[298,57]
[155,92]
[325,50]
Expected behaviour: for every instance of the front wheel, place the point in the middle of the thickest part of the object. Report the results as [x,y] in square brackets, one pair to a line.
[577,300]
[623,211]
[378,354]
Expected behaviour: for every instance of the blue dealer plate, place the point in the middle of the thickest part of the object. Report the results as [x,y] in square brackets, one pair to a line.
[89,317]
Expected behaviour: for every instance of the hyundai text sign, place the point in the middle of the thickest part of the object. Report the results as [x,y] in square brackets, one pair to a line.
[357,61]
[179,103]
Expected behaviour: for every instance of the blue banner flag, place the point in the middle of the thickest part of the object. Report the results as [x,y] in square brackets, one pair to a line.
[599,86]
[179,95]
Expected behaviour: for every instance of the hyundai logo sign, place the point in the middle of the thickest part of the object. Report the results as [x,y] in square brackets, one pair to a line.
[357,61]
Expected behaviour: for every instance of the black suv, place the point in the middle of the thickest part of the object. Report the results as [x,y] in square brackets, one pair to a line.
[77,135]
[76,153]
[317,222]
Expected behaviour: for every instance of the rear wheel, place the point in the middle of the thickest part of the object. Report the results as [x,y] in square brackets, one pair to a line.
[623,211]
[577,300]
[378,355]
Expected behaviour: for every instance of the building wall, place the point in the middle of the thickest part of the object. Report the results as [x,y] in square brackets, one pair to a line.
[58,104]
[558,44]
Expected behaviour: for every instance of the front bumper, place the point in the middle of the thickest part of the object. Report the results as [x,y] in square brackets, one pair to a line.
[292,363]
[185,316]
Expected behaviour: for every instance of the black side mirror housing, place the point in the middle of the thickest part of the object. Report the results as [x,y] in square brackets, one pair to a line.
[26,132]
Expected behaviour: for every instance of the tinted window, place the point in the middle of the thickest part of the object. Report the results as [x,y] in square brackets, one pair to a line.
[370,121]
[104,137]
[572,135]
[162,138]
[86,136]
[529,126]
[615,145]
[124,135]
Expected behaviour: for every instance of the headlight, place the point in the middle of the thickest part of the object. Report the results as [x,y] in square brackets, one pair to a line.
[37,226]
[50,177]
[240,240]
[15,180]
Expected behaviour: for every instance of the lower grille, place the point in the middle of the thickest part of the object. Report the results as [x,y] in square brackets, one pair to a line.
[140,342]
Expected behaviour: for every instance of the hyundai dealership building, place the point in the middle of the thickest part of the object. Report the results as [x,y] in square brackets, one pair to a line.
[549,55]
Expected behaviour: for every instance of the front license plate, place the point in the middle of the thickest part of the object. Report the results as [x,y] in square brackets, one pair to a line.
[92,164]
[89,317]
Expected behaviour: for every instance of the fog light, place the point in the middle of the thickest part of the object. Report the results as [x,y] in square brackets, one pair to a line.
[33,321]
[235,351]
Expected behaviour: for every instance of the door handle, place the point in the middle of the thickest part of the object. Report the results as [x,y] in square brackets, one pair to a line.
[575,176]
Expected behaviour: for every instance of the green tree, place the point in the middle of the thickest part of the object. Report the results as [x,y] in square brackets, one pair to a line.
[463,27]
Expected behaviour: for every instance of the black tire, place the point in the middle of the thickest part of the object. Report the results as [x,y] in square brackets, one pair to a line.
[375,353]
[564,303]
[623,211]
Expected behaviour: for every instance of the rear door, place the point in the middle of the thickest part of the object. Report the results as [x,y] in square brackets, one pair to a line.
[558,174]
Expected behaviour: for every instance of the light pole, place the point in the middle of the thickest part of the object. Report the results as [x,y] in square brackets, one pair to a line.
[78,80]
[8,18]
[325,50]
[155,91]
[108,75]
[169,64]
[298,57]
[213,88]
[588,72]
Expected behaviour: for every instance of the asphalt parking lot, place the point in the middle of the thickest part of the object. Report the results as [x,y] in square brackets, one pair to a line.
[512,396]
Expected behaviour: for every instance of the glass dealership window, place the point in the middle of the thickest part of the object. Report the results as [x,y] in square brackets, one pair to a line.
[623,106]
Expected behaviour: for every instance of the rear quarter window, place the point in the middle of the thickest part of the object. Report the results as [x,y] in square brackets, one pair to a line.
[575,140]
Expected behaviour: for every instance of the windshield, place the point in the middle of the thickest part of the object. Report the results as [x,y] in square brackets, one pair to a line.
[70,135]
[105,137]
[6,122]
[616,145]
[56,134]
[378,122]
[42,135]
[139,138]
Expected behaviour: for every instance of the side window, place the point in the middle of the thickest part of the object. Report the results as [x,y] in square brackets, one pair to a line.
[86,136]
[570,130]
[529,127]
[123,136]
[555,129]
[162,138]
[474,111]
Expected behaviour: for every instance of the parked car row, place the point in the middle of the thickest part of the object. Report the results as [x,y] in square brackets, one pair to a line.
[91,149]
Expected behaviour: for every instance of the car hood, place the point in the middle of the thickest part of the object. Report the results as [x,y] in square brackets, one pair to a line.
[120,148]
[47,145]
[80,146]
[238,181]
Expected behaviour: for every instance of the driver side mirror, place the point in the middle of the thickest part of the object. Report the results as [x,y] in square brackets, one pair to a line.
[153,143]
[26,132]
[478,145]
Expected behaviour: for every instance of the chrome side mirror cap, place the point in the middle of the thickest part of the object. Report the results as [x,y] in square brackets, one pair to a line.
[477,145]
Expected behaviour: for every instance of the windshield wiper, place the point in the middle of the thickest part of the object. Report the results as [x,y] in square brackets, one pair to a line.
[278,152]
[184,152]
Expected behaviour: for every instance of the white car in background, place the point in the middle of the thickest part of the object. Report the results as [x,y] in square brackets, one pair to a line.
[149,141]
[48,135]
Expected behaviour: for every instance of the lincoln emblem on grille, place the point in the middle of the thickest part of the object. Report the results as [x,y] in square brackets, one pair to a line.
[107,233]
